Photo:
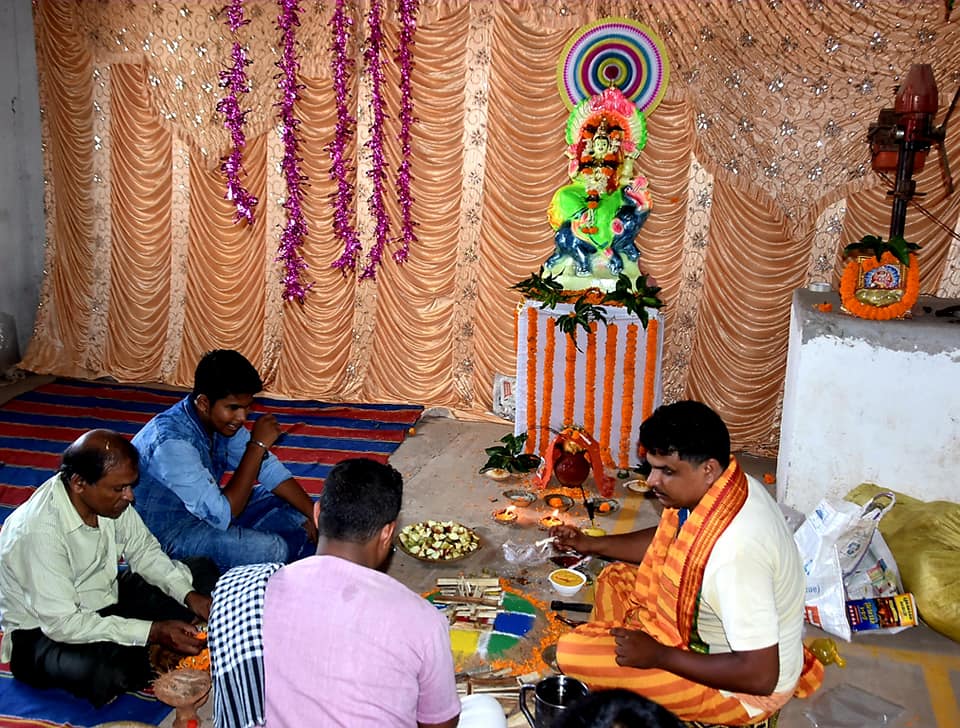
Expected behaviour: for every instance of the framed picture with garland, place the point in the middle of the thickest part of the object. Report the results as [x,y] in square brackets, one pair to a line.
[881,280]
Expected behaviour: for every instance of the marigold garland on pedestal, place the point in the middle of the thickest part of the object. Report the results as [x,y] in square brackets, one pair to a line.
[606,415]
[531,375]
[569,378]
[851,277]
[626,408]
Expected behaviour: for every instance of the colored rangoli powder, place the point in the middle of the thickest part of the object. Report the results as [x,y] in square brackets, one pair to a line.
[513,624]
[515,618]
[464,642]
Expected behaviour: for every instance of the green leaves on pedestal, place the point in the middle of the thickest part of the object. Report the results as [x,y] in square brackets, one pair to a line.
[588,305]
[541,288]
[635,298]
[896,246]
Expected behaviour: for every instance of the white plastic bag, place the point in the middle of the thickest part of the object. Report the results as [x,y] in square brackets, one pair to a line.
[833,541]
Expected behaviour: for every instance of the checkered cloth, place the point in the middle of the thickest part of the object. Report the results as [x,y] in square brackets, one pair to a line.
[235,638]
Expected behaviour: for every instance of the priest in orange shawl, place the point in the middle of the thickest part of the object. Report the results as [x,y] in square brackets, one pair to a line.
[704,612]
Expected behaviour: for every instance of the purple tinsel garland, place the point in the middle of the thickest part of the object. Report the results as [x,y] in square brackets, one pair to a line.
[294,232]
[377,172]
[339,167]
[234,80]
[408,26]
[343,200]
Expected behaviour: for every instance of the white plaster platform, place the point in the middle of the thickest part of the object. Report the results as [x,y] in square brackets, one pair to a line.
[870,401]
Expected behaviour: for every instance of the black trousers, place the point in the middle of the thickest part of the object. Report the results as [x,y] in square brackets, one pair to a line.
[100,671]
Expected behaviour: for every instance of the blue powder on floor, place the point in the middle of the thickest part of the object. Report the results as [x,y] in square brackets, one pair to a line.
[512,623]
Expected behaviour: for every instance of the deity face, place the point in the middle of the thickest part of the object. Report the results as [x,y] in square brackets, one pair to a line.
[882,278]
[601,145]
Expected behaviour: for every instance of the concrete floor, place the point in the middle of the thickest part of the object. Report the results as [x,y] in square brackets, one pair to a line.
[916,671]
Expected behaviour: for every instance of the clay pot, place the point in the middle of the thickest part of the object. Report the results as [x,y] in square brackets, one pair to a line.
[571,468]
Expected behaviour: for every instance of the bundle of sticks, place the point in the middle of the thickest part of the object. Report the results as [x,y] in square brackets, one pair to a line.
[501,683]
[474,601]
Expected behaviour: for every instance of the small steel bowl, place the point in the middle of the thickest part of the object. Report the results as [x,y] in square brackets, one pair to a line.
[520,498]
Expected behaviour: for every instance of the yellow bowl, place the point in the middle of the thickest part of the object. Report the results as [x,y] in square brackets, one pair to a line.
[567,582]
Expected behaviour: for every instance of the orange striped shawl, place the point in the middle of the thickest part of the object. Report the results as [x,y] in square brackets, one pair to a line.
[671,573]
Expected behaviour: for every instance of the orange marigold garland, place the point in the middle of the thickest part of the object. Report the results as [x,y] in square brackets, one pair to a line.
[569,379]
[626,409]
[609,369]
[531,378]
[650,368]
[196,662]
[547,400]
[851,278]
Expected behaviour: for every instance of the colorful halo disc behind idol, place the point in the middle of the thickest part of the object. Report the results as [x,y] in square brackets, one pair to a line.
[616,52]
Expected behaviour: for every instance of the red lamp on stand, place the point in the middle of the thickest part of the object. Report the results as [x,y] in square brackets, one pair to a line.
[903,135]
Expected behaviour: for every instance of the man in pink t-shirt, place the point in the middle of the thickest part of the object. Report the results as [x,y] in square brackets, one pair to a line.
[343,643]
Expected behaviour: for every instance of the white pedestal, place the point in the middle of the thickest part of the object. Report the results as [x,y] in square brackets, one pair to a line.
[869,401]
[588,387]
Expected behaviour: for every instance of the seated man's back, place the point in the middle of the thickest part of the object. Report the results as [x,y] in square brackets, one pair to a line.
[366,650]
[346,645]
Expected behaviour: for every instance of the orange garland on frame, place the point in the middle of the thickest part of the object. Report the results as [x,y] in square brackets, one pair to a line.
[610,368]
[531,377]
[650,368]
[626,408]
[851,276]
[569,380]
[547,402]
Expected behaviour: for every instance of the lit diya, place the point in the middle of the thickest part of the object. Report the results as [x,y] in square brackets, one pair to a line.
[548,522]
[506,515]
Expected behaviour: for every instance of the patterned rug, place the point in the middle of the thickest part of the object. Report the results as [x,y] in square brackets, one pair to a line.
[37,426]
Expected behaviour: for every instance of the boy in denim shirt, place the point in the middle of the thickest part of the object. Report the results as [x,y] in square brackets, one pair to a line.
[261,514]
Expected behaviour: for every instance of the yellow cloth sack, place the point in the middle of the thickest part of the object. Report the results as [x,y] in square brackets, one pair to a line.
[924,538]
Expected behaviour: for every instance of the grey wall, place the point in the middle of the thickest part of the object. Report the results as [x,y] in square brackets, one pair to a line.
[21,183]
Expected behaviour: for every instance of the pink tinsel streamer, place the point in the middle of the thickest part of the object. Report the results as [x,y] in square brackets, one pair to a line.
[340,168]
[408,26]
[378,164]
[234,80]
[294,232]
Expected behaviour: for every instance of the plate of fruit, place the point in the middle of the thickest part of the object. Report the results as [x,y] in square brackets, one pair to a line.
[438,541]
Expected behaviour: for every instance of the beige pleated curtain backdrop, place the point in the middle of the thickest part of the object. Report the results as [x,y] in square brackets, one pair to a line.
[757,160]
